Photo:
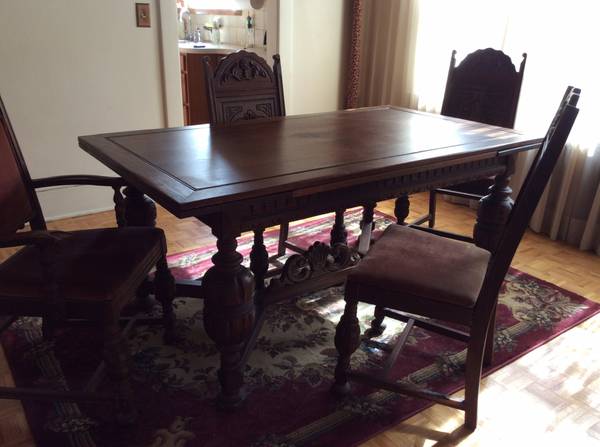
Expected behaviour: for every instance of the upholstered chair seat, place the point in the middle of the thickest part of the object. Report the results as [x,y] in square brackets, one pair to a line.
[458,270]
[104,265]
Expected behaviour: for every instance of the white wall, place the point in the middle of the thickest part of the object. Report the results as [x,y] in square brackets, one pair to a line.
[313,43]
[72,68]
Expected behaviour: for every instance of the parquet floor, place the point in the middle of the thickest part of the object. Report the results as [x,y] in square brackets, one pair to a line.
[549,397]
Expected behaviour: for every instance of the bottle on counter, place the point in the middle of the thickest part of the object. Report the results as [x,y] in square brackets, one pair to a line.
[249,31]
[217,25]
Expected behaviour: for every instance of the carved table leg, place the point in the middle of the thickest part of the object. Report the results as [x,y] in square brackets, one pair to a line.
[140,211]
[493,213]
[259,259]
[229,312]
[284,231]
[366,227]
[339,235]
[347,340]
[401,208]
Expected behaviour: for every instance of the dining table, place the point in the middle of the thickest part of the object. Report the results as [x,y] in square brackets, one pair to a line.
[262,173]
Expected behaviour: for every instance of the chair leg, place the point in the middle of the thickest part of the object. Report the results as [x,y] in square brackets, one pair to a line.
[142,296]
[338,234]
[284,230]
[402,209]
[116,358]
[165,293]
[488,356]
[432,207]
[259,259]
[347,340]
[473,368]
[377,326]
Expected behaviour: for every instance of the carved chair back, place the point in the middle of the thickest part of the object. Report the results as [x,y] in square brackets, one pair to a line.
[529,196]
[485,87]
[18,201]
[244,87]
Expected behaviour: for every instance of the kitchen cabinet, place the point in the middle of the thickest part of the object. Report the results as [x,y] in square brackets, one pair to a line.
[193,86]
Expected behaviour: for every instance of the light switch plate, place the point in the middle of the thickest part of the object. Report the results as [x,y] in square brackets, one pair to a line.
[142,15]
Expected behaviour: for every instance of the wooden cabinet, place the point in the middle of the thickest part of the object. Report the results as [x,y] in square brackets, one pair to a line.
[193,86]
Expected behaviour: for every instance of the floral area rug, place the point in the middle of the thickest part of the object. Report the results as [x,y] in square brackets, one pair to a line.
[289,372]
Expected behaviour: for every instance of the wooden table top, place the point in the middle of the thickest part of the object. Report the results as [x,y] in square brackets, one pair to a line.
[189,168]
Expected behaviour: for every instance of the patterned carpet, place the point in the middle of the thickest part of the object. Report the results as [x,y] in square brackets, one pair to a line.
[289,372]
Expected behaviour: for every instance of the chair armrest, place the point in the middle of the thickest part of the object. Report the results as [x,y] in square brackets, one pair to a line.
[93,180]
[458,237]
[116,183]
[36,238]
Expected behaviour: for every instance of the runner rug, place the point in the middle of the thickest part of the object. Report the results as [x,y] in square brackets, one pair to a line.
[289,372]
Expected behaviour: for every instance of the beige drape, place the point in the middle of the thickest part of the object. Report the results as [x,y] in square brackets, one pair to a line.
[388,52]
[569,210]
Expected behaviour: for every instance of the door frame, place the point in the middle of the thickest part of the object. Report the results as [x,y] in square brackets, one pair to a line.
[170,61]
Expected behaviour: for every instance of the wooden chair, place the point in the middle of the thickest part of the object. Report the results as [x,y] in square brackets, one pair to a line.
[81,275]
[244,87]
[454,282]
[485,87]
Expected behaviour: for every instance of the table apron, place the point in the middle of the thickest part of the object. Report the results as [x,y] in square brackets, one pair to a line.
[263,212]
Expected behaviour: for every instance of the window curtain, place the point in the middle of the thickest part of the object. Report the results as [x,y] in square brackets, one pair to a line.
[387,56]
[405,53]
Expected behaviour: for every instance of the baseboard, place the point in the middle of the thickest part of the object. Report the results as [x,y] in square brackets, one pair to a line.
[63,202]
[78,214]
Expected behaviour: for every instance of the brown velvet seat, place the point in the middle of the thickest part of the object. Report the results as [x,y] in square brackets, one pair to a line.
[81,275]
[459,269]
[421,277]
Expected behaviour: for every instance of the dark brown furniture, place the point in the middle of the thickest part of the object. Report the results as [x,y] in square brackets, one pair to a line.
[90,274]
[265,172]
[193,86]
[243,87]
[485,87]
[453,282]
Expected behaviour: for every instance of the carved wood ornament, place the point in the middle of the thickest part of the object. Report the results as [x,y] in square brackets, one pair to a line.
[318,260]
[244,87]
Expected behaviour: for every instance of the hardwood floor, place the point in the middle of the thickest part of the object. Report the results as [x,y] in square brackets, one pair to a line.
[549,397]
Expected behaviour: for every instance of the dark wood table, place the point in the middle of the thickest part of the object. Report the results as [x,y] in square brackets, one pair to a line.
[258,174]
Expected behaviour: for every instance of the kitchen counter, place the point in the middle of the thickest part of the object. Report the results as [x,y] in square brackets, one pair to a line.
[223,48]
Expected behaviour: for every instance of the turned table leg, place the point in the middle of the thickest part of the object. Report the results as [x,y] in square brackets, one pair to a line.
[339,235]
[401,208]
[259,259]
[493,213]
[366,228]
[140,211]
[228,289]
